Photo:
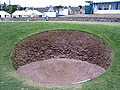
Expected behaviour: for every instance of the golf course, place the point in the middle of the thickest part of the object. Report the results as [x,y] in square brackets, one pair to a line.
[12,58]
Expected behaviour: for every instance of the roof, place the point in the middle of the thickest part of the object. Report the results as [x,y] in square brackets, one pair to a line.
[69,9]
[30,12]
[37,12]
[51,9]
[42,10]
[107,2]
[75,8]
[19,13]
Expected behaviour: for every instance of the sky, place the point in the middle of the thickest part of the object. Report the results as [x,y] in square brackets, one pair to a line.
[44,3]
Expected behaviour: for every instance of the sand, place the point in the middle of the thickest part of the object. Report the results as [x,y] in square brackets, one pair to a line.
[60,71]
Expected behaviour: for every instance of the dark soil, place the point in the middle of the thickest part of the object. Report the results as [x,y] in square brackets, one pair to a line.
[62,44]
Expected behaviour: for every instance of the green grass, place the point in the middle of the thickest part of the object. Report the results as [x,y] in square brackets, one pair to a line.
[13,32]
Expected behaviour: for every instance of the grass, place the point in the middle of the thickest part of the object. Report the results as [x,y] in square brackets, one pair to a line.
[13,32]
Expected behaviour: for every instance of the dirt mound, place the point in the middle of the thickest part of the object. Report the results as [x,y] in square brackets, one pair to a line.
[61,57]
[62,44]
[60,71]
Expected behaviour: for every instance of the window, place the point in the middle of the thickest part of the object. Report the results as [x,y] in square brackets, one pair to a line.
[106,6]
[100,6]
[20,15]
[103,6]
[119,6]
[113,6]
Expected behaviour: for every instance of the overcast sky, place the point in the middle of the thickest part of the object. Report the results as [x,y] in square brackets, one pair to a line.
[44,3]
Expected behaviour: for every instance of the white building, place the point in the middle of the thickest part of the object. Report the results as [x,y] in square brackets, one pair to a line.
[33,13]
[50,13]
[4,14]
[28,13]
[107,7]
[63,12]
[18,14]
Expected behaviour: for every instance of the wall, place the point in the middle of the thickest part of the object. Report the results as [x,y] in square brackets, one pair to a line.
[98,19]
[107,12]
[50,14]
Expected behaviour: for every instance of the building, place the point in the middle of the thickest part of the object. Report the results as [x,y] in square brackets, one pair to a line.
[18,14]
[4,14]
[54,11]
[106,7]
[62,12]
[77,10]
[51,9]
[28,13]
[33,13]
[42,10]
[50,12]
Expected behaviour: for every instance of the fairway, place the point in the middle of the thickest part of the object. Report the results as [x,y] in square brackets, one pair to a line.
[13,32]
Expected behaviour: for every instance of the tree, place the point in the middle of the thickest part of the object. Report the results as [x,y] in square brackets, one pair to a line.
[12,8]
[4,5]
[80,6]
[8,9]
[81,11]
[61,6]
[58,7]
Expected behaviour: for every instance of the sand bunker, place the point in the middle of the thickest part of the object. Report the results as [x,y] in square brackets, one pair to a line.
[60,71]
[61,57]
